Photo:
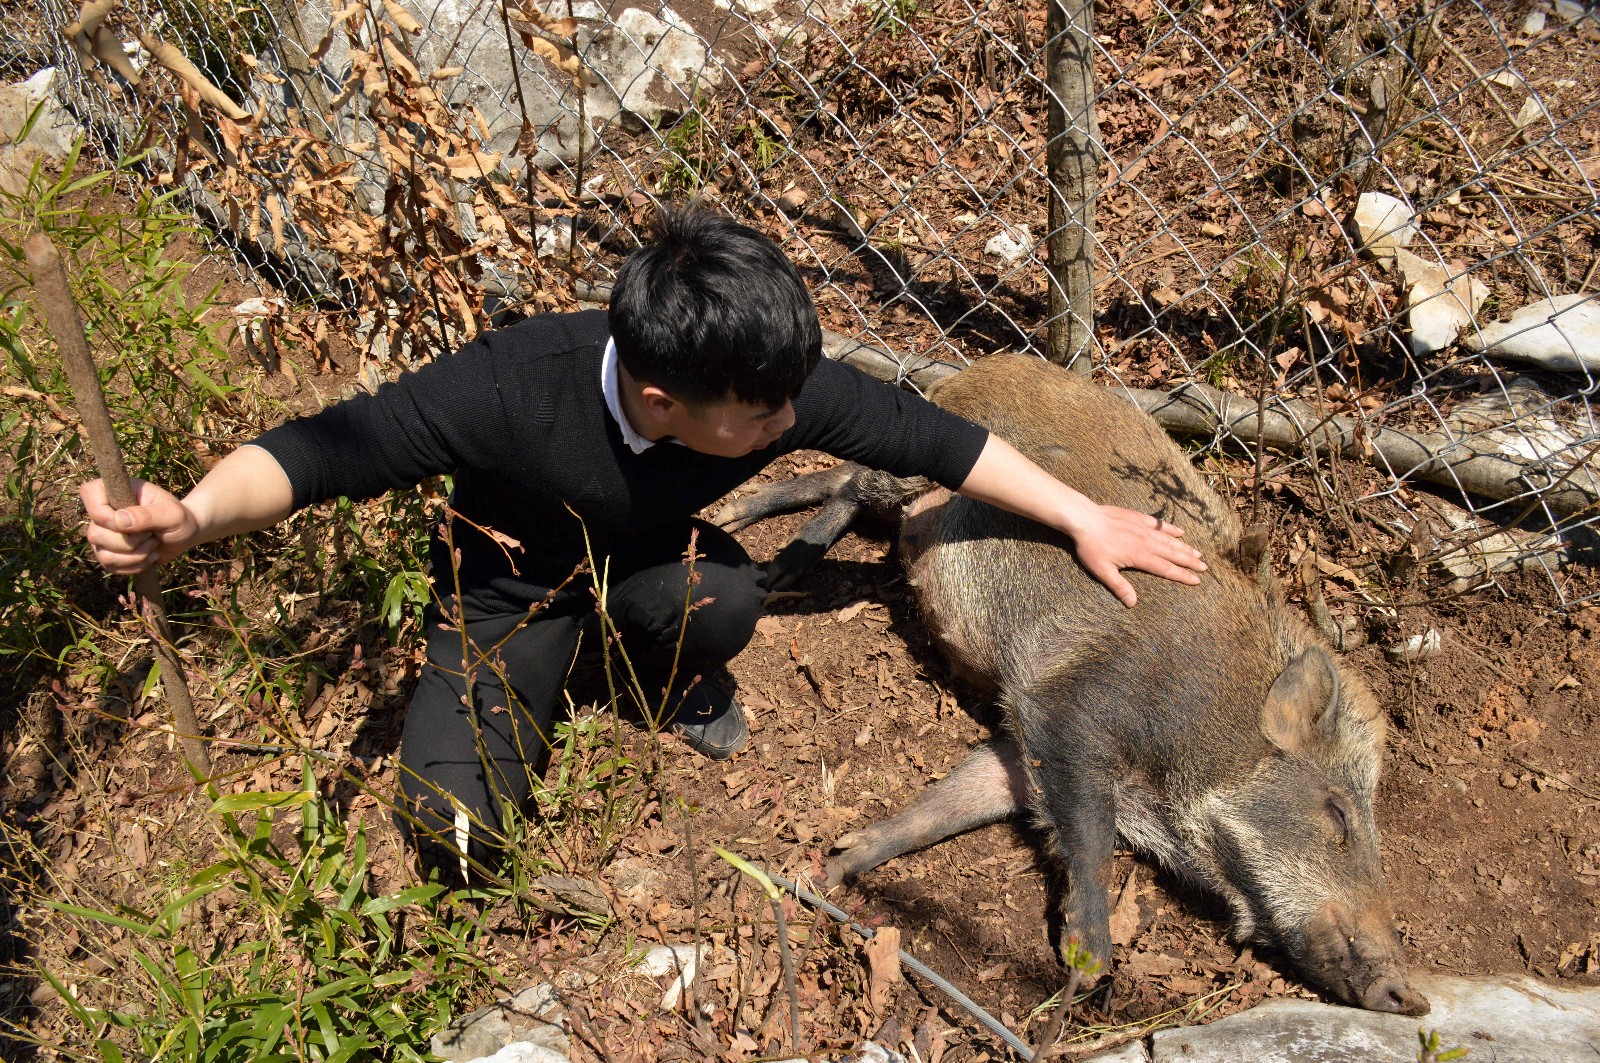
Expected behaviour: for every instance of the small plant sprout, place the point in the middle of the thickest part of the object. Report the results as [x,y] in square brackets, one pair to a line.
[1432,1053]
[1082,963]
[774,898]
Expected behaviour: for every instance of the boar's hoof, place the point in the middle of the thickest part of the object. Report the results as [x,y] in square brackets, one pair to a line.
[1393,994]
[854,853]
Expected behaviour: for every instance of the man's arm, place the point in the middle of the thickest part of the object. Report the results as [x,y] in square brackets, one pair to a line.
[246,491]
[1106,539]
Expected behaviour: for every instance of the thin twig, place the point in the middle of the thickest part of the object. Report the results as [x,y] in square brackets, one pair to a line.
[1047,1040]
[1568,783]
[787,959]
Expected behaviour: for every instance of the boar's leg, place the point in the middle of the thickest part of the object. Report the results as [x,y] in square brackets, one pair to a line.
[988,786]
[785,496]
[1083,819]
[844,492]
[1073,776]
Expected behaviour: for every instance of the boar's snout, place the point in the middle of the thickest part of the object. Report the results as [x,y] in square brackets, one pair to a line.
[1391,992]
[1359,960]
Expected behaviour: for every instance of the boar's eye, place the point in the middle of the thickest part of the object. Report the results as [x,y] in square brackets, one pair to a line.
[1339,813]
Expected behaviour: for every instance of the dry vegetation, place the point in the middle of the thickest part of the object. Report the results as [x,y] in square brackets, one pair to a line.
[151,915]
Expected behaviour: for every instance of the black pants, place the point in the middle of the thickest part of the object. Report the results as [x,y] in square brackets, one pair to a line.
[475,755]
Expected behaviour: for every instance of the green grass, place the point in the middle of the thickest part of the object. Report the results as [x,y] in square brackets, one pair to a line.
[310,963]
[162,367]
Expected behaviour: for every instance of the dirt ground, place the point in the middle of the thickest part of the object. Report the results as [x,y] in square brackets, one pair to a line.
[1488,807]
[1488,804]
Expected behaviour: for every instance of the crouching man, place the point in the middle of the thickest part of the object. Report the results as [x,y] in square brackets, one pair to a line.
[618,426]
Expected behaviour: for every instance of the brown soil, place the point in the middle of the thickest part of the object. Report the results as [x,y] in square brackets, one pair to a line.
[1488,806]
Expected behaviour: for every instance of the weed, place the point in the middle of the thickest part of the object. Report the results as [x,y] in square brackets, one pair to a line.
[309,964]
[161,366]
[688,162]
[1430,1051]
[892,16]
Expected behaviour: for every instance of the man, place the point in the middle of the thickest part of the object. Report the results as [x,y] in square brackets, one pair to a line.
[589,434]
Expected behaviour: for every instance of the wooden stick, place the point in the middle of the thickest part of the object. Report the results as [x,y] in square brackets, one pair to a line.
[55,298]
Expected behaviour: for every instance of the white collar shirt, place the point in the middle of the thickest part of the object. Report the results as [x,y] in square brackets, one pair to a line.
[609,384]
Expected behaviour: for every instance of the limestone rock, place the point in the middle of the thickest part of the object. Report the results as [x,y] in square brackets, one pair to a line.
[50,137]
[681,961]
[1384,223]
[1441,301]
[1570,10]
[54,130]
[532,1018]
[523,1052]
[645,64]
[1509,1018]
[1132,1052]
[1561,333]
[1011,244]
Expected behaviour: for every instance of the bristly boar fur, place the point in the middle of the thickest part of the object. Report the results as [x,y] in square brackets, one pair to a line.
[1208,725]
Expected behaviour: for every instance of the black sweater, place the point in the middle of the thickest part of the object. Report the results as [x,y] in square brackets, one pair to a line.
[520,419]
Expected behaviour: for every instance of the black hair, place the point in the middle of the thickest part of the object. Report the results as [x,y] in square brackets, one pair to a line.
[711,309]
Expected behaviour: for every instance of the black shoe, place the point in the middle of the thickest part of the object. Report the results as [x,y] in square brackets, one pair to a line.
[711,720]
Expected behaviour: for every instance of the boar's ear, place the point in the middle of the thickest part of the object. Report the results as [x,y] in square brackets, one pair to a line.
[1301,698]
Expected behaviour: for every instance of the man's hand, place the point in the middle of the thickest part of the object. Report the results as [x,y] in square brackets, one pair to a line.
[152,532]
[1106,539]
[1111,539]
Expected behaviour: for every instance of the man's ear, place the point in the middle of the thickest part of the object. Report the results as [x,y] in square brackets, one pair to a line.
[658,405]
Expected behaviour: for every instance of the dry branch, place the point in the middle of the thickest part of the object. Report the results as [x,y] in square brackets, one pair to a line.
[54,297]
[1294,426]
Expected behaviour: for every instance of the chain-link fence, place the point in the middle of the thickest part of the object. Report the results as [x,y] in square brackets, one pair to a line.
[1309,216]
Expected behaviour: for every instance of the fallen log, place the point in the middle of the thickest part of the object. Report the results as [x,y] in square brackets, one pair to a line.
[1290,425]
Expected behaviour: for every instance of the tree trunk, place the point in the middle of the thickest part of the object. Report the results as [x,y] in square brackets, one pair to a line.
[1072,161]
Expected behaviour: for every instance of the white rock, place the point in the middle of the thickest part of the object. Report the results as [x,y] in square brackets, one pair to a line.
[1416,648]
[1441,301]
[1533,25]
[1561,333]
[1011,244]
[1384,222]
[647,63]
[873,1052]
[1507,79]
[1568,11]
[531,1020]
[1131,1052]
[1525,1020]
[682,960]
[653,65]
[1237,127]
[553,238]
[523,1052]
[1532,110]
[53,131]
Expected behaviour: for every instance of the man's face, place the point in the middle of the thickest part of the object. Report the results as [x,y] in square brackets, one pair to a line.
[730,428]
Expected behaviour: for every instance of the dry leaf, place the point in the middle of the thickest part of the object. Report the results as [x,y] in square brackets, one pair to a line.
[883,962]
[551,53]
[402,17]
[850,612]
[472,164]
[543,22]
[401,61]
[1125,916]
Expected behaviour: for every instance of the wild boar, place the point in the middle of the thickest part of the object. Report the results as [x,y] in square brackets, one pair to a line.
[1208,726]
